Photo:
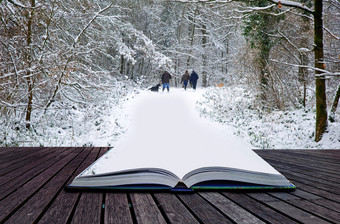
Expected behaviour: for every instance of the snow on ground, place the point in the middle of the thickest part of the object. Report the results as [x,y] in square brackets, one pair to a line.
[103,122]
[98,123]
[293,129]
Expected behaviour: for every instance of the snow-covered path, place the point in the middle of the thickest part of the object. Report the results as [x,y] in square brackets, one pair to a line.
[165,131]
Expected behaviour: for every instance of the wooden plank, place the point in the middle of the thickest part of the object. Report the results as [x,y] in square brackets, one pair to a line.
[304,159]
[41,199]
[308,174]
[307,186]
[302,168]
[175,211]
[263,212]
[89,214]
[203,210]
[12,202]
[320,192]
[61,208]
[307,178]
[117,209]
[8,152]
[8,149]
[310,207]
[145,209]
[89,208]
[288,209]
[40,196]
[11,160]
[27,166]
[231,209]
[314,182]
[20,180]
[331,205]
[330,165]
[331,156]
[327,168]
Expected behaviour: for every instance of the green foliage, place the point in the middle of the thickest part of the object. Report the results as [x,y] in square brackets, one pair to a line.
[260,26]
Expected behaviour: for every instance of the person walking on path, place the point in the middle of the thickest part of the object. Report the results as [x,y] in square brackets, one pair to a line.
[185,79]
[193,79]
[166,80]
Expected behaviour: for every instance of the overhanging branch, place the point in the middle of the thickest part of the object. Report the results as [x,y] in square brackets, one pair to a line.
[293,4]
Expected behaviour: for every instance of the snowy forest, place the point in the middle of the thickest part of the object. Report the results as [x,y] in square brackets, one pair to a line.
[67,67]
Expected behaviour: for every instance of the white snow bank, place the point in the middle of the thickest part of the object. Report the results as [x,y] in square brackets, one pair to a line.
[293,129]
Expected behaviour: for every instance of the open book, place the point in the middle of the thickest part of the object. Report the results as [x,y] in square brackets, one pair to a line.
[168,146]
[202,178]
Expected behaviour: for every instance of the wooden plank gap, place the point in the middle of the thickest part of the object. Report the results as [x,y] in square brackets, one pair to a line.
[259,209]
[235,212]
[117,209]
[36,206]
[146,209]
[174,209]
[70,178]
[288,209]
[309,207]
[62,206]
[102,211]
[189,209]
[25,192]
[203,209]
[132,211]
[74,209]
[160,209]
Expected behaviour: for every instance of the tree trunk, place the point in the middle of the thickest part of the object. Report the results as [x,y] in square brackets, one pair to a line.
[320,83]
[29,65]
[192,36]
[122,62]
[303,73]
[264,80]
[334,105]
[226,57]
[204,42]
[265,46]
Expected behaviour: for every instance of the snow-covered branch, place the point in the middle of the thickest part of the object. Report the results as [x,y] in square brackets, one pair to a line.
[330,33]
[204,1]
[252,9]
[291,43]
[323,72]
[18,4]
[12,105]
[278,2]
[90,22]
[293,4]
[294,12]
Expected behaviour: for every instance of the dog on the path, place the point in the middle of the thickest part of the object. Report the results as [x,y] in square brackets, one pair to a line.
[155,88]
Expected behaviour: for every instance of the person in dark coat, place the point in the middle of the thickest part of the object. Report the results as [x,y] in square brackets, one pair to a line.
[193,79]
[166,80]
[185,79]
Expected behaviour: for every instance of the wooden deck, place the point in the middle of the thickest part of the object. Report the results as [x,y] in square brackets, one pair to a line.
[32,184]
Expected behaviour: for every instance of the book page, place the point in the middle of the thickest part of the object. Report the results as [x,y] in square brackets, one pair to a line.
[166,132]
